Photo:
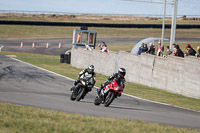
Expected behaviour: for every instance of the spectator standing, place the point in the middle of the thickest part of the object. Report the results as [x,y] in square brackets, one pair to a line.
[78,38]
[174,52]
[174,45]
[169,52]
[179,52]
[103,47]
[159,50]
[198,51]
[151,49]
[145,49]
[190,50]
[103,43]
[141,49]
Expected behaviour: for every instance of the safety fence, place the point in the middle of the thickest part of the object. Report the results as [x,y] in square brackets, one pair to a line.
[108,25]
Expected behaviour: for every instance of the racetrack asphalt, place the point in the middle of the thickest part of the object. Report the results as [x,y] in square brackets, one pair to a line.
[24,84]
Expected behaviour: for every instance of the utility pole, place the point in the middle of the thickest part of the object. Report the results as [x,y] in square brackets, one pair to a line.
[173,26]
[163,27]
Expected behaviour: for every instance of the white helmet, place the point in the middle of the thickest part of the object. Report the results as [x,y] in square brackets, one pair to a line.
[91,68]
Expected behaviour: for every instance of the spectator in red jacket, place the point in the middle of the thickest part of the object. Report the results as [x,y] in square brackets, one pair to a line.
[190,50]
[159,50]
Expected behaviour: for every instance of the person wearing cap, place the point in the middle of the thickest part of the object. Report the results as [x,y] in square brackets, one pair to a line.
[190,50]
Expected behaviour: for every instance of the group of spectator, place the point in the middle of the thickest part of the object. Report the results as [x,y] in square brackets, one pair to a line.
[175,52]
[190,51]
[144,49]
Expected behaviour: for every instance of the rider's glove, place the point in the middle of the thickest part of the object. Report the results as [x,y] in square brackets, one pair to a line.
[102,85]
[75,82]
[90,86]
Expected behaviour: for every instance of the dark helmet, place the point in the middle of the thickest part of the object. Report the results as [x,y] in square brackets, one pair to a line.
[121,72]
[91,68]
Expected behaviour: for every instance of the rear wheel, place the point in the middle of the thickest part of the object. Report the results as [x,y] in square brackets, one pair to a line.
[109,98]
[81,92]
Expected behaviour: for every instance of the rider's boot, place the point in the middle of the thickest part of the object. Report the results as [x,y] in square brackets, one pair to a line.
[100,88]
[71,89]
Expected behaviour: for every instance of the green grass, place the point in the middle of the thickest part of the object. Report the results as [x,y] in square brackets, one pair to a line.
[52,63]
[15,118]
[23,119]
[162,96]
[24,31]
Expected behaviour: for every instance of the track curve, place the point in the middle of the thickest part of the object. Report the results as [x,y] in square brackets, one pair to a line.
[25,84]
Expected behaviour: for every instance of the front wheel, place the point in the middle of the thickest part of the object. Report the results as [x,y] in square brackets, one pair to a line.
[72,97]
[97,101]
[81,92]
[109,98]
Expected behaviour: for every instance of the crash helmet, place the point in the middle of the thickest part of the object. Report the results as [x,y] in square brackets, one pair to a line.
[91,69]
[121,72]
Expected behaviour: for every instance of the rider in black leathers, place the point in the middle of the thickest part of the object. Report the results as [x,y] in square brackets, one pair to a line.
[119,78]
[88,72]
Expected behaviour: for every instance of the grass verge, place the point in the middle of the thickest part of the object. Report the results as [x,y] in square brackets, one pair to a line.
[25,31]
[23,119]
[16,118]
[52,63]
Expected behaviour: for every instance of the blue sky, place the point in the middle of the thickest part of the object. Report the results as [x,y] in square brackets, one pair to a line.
[185,7]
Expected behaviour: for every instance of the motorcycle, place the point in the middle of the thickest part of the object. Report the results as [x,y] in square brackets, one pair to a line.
[108,93]
[84,87]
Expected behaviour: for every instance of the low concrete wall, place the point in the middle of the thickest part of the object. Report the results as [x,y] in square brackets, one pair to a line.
[174,74]
[104,62]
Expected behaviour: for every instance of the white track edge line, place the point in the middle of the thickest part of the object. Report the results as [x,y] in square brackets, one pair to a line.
[43,69]
[97,87]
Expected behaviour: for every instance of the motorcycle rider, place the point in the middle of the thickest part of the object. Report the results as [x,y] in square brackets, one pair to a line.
[119,78]
[86,73]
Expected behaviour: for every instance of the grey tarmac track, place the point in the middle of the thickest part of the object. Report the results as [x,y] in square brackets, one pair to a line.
[24,84]
[13,45]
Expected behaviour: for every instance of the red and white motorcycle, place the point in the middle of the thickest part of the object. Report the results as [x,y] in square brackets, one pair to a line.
[109,93]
